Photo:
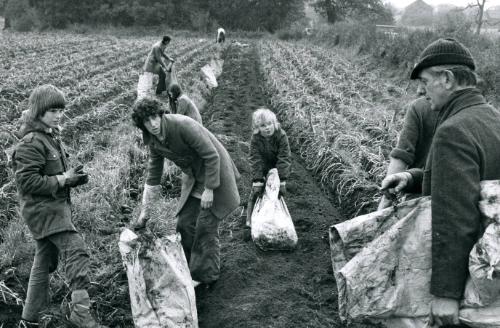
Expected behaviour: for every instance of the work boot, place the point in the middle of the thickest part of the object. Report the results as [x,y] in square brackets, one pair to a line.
[28,324]
[80,310]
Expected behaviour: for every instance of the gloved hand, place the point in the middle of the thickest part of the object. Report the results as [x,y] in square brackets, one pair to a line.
[258,188]
[149,197]
[282,188]
[75,177]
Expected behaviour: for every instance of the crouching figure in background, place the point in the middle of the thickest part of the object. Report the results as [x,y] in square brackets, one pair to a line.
[44,180]
[209,192]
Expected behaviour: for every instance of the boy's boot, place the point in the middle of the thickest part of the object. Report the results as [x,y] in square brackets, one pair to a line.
[80,310]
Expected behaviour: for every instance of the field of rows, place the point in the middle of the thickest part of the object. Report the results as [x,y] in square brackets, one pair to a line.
[340,114]
[98,75]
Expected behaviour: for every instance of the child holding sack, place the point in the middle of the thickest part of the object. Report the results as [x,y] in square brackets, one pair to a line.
[269,149]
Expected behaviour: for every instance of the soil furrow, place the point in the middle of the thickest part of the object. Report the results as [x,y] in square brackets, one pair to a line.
[267,289]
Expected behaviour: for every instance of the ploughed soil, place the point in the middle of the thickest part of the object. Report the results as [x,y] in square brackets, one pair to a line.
[256,288]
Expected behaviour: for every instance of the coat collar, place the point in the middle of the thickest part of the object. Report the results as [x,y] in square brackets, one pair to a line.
[460,100]
[38,126]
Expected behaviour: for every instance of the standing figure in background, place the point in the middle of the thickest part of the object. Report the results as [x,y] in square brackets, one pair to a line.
[209,192]
[44,180]
[182,104]
[155,64]
[269,149]
[221,35]
[414,141]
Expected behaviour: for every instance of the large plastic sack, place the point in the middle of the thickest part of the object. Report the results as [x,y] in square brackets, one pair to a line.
[272,225]
[160,285]
[382,264]
[209,76]
[384,279]
[145,85]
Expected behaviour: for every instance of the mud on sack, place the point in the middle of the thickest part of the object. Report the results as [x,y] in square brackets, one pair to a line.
[160,285]
[272,225]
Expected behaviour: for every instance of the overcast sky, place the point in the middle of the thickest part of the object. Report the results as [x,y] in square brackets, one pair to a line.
[404,3]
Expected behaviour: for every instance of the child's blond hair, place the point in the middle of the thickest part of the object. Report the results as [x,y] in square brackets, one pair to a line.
[263,114]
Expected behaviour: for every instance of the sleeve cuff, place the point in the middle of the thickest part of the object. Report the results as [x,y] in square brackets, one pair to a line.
[403,155]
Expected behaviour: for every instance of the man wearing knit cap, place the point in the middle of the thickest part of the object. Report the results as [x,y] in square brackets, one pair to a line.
[464,152]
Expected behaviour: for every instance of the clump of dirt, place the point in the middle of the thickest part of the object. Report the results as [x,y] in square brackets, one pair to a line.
[267,289]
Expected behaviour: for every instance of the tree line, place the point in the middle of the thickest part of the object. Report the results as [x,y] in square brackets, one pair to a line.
[260,15]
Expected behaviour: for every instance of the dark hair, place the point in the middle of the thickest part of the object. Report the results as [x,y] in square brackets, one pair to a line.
[175,90]
[144,108]
[166,39]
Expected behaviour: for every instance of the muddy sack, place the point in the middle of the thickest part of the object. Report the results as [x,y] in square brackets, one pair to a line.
[483,287]
[160,285]
[382,265]
[272,225]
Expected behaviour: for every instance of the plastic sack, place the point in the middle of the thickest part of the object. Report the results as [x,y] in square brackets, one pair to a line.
[160,285]
[483,288]
[145,85]
[272,225]
[209,76]
[384,279]
[376,280]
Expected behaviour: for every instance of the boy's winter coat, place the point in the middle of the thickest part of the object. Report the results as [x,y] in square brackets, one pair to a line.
[37,159]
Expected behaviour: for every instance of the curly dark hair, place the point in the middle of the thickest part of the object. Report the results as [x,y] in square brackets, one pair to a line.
[144,108]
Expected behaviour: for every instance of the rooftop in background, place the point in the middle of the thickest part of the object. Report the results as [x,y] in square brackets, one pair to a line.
[461,3]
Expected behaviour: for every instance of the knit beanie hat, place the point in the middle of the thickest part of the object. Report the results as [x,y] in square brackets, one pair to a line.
[443,52]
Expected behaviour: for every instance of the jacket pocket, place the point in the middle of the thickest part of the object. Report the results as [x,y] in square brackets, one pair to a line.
[54,164]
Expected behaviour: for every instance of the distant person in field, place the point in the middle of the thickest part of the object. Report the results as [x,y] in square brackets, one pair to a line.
[209,192]
[182,104]
[414,141]
[269,148]
[44,179]
[155,64]
[464,151]
[221,35]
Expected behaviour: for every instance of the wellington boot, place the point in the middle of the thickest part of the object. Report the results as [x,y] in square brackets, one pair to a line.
[80,310]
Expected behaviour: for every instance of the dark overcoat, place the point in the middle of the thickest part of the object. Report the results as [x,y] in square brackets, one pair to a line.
[465,150]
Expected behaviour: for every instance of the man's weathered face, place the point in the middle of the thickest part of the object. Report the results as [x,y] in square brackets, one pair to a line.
[433,87]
